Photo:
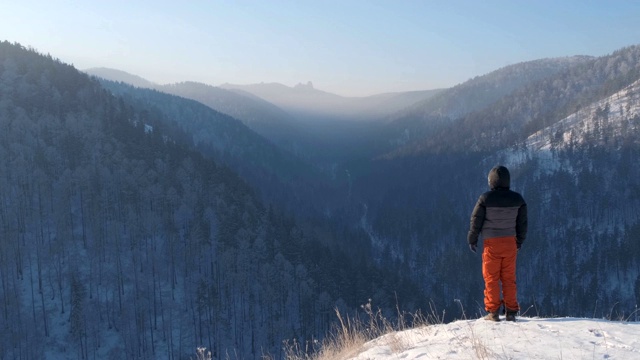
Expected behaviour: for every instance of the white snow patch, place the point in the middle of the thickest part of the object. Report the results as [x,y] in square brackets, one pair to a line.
[528,338]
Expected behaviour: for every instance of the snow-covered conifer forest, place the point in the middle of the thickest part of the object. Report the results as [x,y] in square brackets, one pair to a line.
[142,222]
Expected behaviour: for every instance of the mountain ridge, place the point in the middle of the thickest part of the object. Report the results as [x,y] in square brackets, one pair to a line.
[306,101]
[529,108]
[120,76]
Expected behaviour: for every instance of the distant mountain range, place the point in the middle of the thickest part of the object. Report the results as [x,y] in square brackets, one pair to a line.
[302,101]
[310,123]
[305,101]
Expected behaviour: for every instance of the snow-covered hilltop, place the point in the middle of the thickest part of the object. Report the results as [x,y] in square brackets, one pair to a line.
[529,338]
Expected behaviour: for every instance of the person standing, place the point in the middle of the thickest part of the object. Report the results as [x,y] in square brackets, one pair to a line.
[500,215]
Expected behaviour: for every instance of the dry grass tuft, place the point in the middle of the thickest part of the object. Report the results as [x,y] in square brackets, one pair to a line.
[350,336]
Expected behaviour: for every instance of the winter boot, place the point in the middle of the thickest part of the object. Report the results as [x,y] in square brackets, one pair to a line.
[511,315]
[492,316]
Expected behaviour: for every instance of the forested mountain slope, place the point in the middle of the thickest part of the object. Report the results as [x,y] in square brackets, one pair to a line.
[415,123]
[535,106]
[323,142]
[263,117]
[481,91]
[280,177]
[119,240]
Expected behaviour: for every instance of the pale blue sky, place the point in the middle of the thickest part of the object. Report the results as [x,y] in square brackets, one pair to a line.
[347,47]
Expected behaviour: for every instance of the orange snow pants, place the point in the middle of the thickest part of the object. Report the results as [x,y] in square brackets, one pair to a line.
[499,266]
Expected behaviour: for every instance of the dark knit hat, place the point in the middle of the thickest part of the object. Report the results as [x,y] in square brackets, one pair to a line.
[499,178]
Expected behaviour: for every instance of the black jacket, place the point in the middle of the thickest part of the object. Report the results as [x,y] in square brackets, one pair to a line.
[499,212]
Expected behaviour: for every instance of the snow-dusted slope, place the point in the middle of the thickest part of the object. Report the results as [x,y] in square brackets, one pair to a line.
[604,122]
[529,338]
[614,112]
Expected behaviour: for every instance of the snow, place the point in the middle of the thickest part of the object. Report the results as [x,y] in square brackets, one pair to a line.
[528,338]
[622,106]
[575,128]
